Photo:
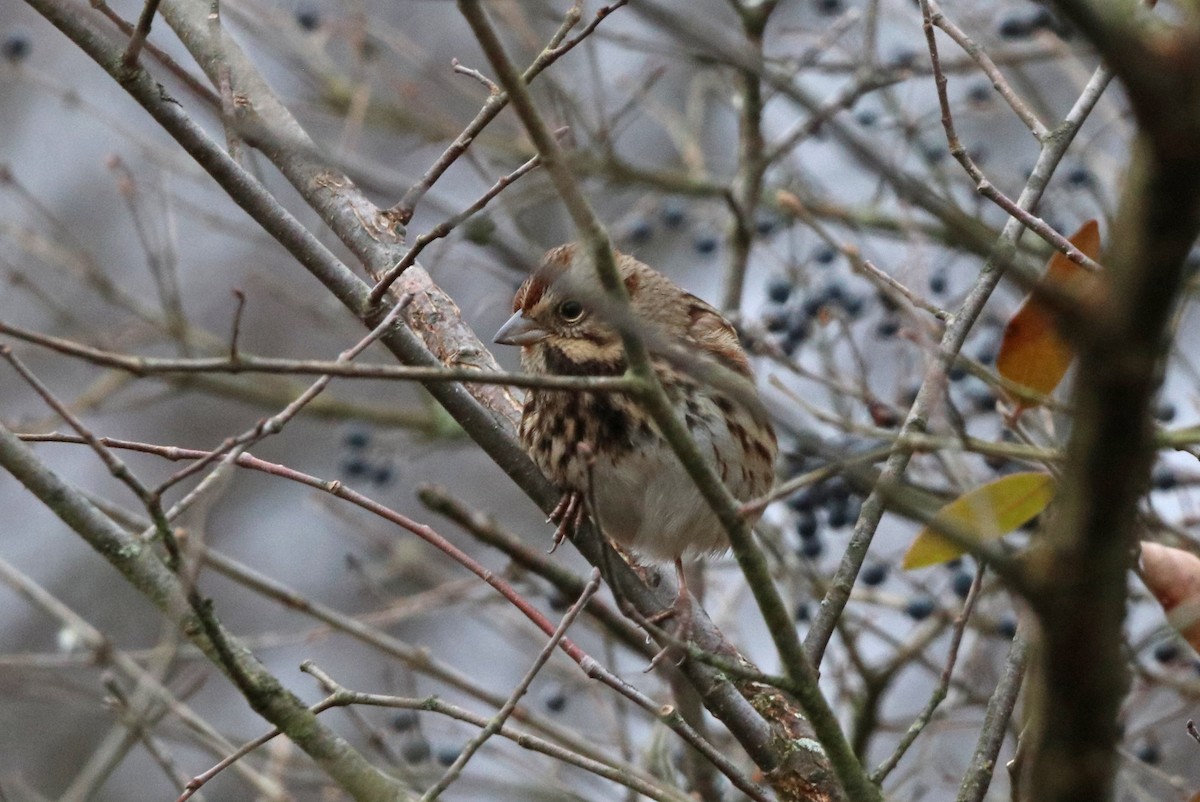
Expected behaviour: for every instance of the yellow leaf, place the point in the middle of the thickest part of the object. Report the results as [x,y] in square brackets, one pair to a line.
[1033,353]
[988,512]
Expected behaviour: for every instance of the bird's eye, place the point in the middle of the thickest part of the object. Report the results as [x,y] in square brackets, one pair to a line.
[570,311]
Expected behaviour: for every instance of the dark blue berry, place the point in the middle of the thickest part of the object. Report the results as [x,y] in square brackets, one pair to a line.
[766,224]
[1165,412]
[779,289]
[799,326]
[357,438]
[1079,177]
[1191,265]
[776,321]
[1149,753]
[479,229]
[416,751]
[807,526]
[1006,627]
[1163,478]
[672,213]
[838,513]
[382,475]
[887,328]
[873,575]
[961,583]
[355,467]
[556,701]
[980,92]
[308,19]
[705,244]
[854,305]
[15,47]
[1015,26]
[854,506]
[812,304]
[447,755]
[883,415]
[866,117]
[995,462]
[920,607]
[836,489]
[957,372]
[934,152]
[902,58]
[983,399]
[1166,651]
[824,255]
[938,283]
[789,346]
[804,500]
[811,548]
[829,6]
[1041,18]
[986,355]
[640,231]
[404,721]
[803,613]
[794,464]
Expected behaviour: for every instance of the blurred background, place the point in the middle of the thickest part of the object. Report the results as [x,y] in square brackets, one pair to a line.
[111,236]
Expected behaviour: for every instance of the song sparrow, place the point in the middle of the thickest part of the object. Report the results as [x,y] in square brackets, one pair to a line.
[643,496]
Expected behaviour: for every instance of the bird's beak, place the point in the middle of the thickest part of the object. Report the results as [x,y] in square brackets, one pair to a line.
[519,330]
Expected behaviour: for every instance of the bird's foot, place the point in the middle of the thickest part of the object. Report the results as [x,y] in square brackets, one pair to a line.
[681,613]
[568,516]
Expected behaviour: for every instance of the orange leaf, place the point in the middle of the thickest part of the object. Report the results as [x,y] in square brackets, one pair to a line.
[1033,353]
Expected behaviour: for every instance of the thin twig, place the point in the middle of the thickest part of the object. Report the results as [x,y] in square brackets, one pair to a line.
[444,228]
[640,782]
[1000,708]
[237,324]
[476,74]
[115,465]
[148,366]
[942,687]
[558,45]
[233,141]
[502,715]
[275,423]
[104,653]
[999,83]
[982,184]
[140,32]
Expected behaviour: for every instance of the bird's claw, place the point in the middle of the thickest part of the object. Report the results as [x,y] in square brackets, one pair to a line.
[568,515]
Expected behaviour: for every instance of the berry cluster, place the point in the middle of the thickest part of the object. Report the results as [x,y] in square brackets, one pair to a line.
[831,501]
[792,314]
[360,463]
